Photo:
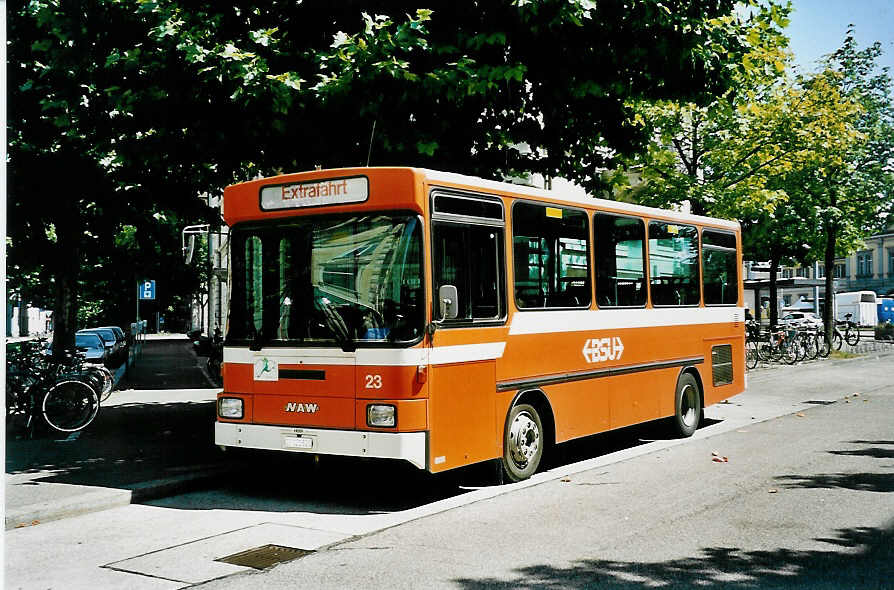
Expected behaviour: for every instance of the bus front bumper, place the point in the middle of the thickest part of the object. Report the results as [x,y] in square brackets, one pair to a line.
[409,446]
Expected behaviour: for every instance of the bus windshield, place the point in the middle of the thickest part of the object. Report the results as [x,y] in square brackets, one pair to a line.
[344,280]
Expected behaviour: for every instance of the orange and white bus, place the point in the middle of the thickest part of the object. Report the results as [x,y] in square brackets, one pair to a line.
[446,320]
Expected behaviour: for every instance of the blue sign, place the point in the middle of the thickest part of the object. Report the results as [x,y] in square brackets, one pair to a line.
[147,290]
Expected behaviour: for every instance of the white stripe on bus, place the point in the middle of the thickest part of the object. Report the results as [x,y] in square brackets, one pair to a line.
[550,322]
[382,357]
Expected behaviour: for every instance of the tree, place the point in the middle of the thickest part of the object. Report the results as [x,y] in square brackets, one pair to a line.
[804,163]
[118,127]
[71,116]
[852,190]
[716,157]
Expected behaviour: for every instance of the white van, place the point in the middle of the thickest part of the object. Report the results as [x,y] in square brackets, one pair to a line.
[860,304]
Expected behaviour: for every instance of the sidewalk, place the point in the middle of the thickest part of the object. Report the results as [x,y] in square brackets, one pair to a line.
[152,437]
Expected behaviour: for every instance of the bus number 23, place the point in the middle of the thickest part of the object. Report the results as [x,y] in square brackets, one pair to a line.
[374,382]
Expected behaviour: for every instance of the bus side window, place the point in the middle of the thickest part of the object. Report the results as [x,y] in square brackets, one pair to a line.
[551,257]
[673,256]
[470,258]
[620,261]
[719,268]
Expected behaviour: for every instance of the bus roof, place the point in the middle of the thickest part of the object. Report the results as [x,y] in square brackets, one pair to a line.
[435,176]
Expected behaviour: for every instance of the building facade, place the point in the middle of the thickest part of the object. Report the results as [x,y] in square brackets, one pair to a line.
[871,268]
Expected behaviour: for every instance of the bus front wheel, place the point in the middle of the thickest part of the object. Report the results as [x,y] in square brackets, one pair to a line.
[687,406]
[522,442]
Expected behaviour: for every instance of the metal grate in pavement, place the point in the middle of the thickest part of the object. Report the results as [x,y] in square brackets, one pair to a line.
[264,556]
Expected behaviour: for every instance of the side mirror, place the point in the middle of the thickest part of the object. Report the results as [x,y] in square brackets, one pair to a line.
[449,305]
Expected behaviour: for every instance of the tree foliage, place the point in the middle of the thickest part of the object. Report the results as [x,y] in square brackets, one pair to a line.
[804,162]
[122,111]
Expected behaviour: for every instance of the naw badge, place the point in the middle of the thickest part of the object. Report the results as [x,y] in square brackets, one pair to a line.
[266,369]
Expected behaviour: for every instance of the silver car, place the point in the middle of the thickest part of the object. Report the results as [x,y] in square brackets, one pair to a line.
[801,318]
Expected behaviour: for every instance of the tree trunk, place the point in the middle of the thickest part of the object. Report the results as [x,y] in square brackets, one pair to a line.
[774,305]
[829,288]
[66,273]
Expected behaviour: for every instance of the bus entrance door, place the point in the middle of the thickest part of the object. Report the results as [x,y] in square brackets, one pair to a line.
[462,399]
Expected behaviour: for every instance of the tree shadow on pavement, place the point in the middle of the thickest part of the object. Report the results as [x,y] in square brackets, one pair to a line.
[863,482]
[125,444]
[864,559]
[875,452]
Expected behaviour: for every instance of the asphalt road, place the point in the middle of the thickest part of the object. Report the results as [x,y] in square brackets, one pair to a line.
[804,501]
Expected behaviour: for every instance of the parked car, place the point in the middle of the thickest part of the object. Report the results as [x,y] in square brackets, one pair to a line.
[123,340]
[115,347]
[93,346]
[796,318]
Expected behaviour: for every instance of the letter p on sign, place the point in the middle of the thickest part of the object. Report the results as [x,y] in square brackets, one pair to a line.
[147,290]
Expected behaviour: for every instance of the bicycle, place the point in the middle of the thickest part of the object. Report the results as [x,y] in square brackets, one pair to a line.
[851,333]
[783,345]
[771,350]
[809,342]
[60,394]
[751,354]
[752,344]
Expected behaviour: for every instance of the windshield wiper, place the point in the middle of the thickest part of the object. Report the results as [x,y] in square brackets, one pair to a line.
[257,340]
[337,324]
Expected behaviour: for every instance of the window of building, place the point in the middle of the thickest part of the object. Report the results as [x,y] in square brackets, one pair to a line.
[820,271]
[786,273]
[673,257]
[802,271]
[551,256]
[891,262]
[720,268]
[620,245]
[840,270]
[864,264]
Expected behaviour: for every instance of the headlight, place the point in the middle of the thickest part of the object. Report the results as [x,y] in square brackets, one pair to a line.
[381,416]
[229,407]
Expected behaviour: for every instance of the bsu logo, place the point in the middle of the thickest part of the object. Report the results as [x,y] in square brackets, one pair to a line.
[597,350]
[302,408]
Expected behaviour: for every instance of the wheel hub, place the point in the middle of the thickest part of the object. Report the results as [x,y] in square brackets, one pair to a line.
[688,403]
[524,439]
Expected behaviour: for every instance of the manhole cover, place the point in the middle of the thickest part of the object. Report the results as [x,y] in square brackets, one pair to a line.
[264,556]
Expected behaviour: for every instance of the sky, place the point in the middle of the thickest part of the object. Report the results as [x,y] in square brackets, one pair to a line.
[818,27]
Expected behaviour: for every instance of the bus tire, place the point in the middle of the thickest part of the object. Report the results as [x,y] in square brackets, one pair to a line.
[522,442]
[687,406]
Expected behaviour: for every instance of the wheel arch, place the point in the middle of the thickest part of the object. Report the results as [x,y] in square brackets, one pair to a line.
[539,400]
[696,374]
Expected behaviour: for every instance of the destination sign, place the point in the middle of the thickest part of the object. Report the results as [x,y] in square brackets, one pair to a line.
[334,191]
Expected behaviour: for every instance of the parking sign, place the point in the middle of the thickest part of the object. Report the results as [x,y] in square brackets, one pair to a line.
[147,290]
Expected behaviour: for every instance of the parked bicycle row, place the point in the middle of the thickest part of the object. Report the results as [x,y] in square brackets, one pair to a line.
[795,342]
[56,396]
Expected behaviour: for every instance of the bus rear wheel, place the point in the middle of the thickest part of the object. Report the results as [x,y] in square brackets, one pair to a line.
[687,406]
[522,442]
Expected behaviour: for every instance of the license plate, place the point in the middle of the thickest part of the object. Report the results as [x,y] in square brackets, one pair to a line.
[298,442]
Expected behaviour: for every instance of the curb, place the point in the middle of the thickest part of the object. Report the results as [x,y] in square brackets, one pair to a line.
[98,499]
